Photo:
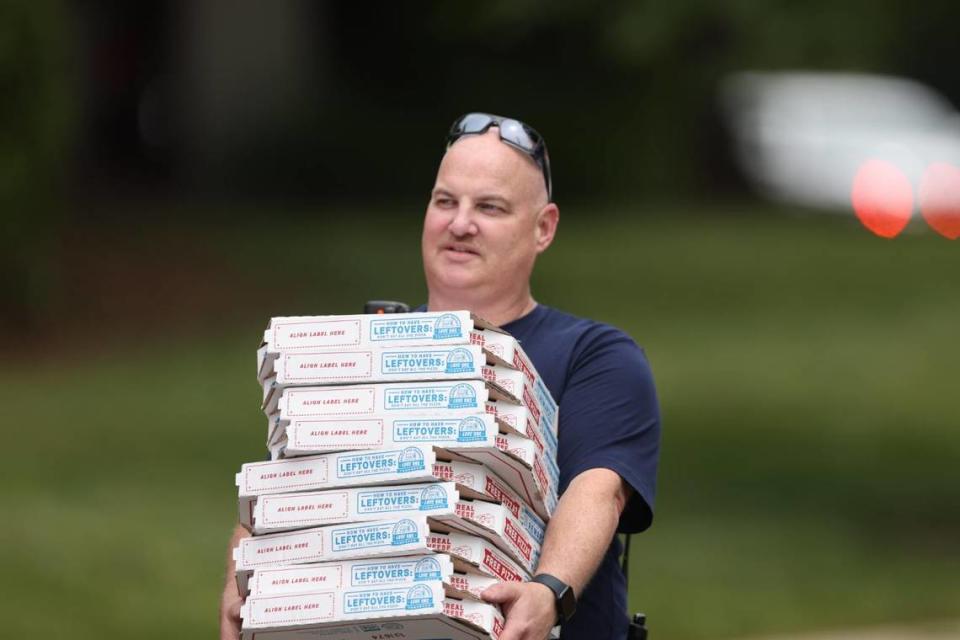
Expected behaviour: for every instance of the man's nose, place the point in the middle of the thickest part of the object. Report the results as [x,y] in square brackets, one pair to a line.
[462,223]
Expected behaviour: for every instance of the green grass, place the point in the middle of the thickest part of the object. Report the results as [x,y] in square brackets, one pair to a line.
[807,372]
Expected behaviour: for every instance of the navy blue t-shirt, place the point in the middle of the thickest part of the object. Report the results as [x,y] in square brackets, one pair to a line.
[609,418]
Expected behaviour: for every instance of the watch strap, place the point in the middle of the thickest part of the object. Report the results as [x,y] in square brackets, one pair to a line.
[562,593]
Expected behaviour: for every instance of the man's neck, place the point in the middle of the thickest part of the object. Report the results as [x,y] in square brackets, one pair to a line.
[499,311]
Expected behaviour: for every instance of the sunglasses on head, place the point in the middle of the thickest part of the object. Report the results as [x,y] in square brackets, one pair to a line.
[512,132]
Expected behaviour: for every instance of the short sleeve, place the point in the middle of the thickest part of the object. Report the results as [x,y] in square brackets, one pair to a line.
[610,418]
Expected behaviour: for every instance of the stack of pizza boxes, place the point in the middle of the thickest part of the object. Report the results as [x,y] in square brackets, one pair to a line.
[412,465]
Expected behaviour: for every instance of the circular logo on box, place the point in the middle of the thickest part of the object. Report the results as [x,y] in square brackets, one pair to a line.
[462,396]
[405,532]
[427,569]
[472,429]
[433,497]
[459,361]
[446,327]
[410,459]
[419,597]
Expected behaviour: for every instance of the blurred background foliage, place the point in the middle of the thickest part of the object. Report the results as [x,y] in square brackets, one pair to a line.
[174,173]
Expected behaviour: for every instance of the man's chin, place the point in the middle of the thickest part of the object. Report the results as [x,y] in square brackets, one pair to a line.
[457,277]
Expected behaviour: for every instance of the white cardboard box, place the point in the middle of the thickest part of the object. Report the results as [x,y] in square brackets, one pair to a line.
[530,473]
[518,419]
[347,574]
[401,465]
[451,620]
[408,398]
[480,480]
[473,554]
[468,585]
[334,605]
[397,465]
[286,511]
[318,333]
[388,537]
[520,538]
[414,364]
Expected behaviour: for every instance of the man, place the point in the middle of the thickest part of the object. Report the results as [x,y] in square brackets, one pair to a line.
[490,215]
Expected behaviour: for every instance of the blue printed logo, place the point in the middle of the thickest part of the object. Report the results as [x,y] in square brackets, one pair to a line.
[460,361]
[416,398]
[413,362]
[410,460]
[401,329]
[427,569]
[365,537]
[472,429]
[419,597]
[446,327]
[382,600]
[433,497]
[365,464]
[462,396]
[405,532]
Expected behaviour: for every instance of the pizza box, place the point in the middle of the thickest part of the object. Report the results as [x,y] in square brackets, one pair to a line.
[520,390]
[376,573]
[428,616]
[520,538]
[478,480]
[408,398]
[398,465]
[406,465]
[529,472]
[414,364]
[320,333]
[305,436]
[285,511]
[387,537]
[335,605]
[519,420]
[474,555]
[468,586]
[350,574]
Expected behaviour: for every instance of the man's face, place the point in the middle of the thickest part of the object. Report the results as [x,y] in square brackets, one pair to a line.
[487,218]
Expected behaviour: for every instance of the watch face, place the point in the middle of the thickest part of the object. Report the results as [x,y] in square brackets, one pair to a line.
[566,603]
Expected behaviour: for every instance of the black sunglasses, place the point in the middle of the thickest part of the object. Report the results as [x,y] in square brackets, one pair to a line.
[512,132]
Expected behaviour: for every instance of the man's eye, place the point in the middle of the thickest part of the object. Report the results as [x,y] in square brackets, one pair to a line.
[490,208]
[445,202]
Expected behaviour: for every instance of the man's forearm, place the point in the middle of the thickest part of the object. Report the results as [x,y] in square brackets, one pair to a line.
[582,527]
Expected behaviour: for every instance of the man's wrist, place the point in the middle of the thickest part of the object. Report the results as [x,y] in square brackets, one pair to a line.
[565,601]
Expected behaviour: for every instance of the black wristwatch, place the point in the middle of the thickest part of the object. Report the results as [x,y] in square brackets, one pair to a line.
[563,594]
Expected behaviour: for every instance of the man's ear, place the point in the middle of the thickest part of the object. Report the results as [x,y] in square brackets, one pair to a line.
[547,221]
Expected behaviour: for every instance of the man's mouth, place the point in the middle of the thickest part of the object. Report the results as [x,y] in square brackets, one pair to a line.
[461,249]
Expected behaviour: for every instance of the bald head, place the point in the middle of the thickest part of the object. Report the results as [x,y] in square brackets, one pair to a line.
[485,157]
[487,221]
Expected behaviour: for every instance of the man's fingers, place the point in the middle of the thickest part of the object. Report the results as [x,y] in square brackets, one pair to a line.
[500,593]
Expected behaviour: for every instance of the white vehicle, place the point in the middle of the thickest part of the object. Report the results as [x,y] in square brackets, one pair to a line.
[801,136]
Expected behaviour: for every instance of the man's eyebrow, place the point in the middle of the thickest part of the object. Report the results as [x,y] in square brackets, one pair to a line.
[493,197]
[440,191]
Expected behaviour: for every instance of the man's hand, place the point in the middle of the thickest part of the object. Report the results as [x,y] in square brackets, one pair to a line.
[230,613]
[231,599]
[529,607]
